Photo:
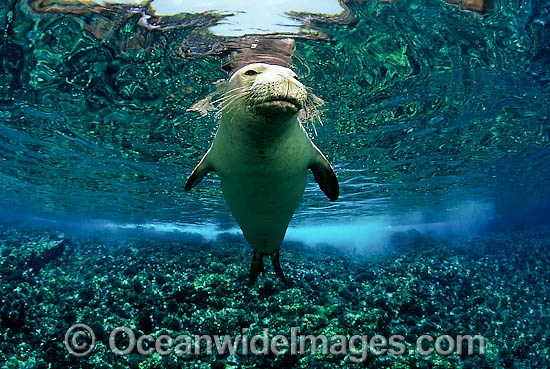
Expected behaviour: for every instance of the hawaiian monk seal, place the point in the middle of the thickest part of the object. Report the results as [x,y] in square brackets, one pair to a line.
[262,153]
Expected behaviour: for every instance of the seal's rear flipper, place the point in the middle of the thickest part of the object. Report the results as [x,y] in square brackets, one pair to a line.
[324,175]
[257,266]
[199,172]
[277,267]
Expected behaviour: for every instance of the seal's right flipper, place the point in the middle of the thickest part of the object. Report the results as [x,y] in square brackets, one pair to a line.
[324,175]
[199,172]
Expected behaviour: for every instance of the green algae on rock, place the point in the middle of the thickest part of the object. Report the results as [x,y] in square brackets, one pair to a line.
[493,286]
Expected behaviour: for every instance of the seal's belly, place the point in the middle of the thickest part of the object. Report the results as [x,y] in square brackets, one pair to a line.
[262,199]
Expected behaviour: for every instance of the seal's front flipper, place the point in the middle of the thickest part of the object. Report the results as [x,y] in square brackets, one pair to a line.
[199,172]
[257,266]
[324,175]
[277,267]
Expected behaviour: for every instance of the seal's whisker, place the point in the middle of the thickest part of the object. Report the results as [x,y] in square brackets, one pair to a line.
[315,103]
[228,106]
[309,108]
[227,109]
[312,113]
[221,95]
[236,103]
[234,92]
[228,94]
[228,101]
[231,98]
[245,100]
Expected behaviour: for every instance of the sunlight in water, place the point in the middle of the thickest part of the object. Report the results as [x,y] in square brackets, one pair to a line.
[257,17]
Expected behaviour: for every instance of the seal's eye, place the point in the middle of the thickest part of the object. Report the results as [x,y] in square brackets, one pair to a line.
[251,72]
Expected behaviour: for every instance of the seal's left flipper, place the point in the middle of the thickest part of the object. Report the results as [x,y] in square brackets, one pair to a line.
[199,172]
[324,175]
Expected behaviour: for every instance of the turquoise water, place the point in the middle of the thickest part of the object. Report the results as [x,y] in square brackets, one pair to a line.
[431,112]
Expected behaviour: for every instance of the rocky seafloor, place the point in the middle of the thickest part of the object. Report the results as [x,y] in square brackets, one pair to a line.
[497,286]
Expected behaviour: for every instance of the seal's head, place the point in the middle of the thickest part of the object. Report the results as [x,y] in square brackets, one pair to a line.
[262,92]
[269,90]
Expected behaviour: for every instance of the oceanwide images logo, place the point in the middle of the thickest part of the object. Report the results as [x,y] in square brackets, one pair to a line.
[80,341]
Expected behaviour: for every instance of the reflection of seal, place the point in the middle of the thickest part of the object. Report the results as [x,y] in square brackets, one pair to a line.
[261,153]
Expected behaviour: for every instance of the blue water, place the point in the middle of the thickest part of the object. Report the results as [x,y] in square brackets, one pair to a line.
[433,115]
[436,120]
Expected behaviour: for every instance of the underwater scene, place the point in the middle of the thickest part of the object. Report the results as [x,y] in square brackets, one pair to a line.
[352,184]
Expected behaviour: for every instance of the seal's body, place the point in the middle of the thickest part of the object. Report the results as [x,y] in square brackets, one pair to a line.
[261,153]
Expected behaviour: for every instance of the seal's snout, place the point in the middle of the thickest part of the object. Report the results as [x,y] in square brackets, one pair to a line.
[277,94]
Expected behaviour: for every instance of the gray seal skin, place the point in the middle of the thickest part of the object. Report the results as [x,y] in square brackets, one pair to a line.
[261,153]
